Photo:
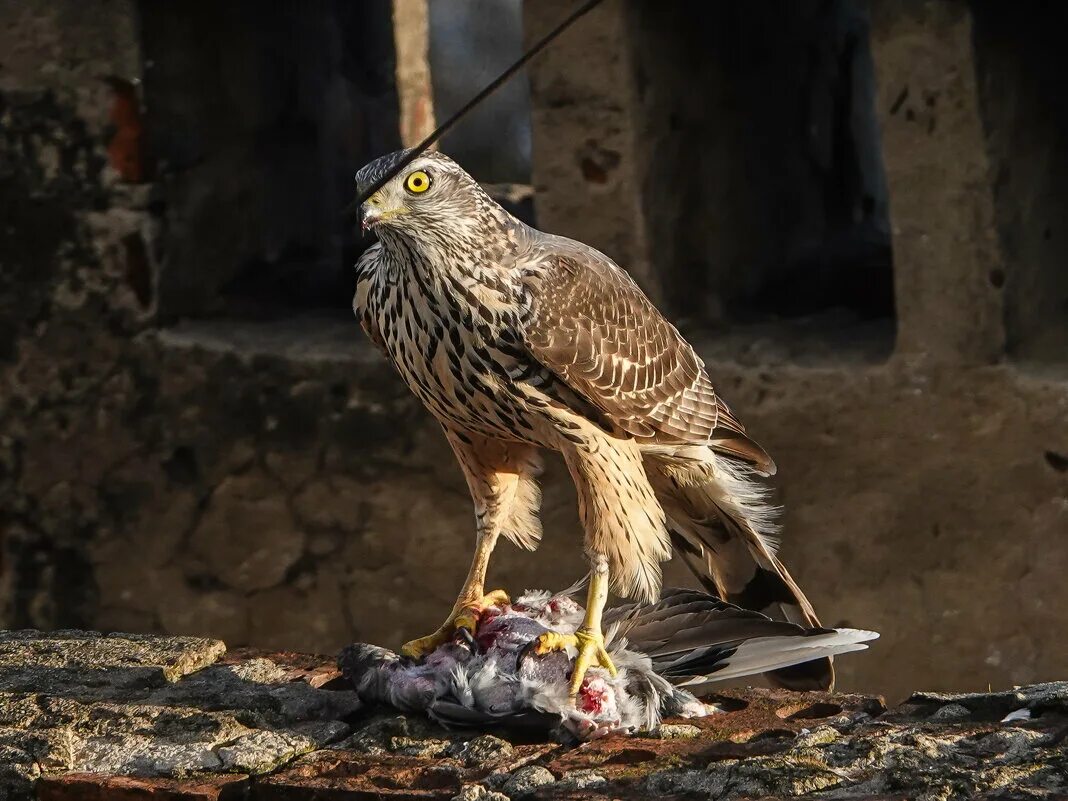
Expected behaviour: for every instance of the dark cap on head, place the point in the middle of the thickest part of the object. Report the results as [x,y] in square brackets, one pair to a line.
[368,174]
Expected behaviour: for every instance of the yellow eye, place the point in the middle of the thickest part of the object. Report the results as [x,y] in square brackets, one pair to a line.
[417,183]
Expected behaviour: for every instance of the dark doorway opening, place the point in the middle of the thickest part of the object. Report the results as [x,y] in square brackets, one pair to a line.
[764,189]
[1023,81]
[258,116]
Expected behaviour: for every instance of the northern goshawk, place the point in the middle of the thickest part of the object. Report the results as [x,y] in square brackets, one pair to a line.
[518,340]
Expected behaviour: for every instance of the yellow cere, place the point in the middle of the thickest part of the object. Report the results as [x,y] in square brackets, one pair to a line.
[417,182]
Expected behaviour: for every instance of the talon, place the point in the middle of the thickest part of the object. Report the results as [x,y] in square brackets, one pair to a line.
[552,641]
[463,622]
[495,598]
[467,620]
[467,636]
[591,652]
[417,649]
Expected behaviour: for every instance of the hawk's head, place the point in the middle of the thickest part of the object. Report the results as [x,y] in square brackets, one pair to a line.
[431,197]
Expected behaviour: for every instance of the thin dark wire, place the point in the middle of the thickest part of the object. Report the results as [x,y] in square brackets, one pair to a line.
[474,101]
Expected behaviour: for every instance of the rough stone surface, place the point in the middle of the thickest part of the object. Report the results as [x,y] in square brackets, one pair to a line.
[477,792]
[580,780]
[151,707]
[39,661]
[253,726]
[675,731]
[526,780]
[483,749]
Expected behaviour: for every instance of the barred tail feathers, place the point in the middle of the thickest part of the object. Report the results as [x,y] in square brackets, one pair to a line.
[723,528]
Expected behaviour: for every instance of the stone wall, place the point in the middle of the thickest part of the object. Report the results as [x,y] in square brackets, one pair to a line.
[269,481]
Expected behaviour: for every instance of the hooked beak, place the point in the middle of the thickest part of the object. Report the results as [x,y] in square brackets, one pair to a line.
[369,217]
[371,214]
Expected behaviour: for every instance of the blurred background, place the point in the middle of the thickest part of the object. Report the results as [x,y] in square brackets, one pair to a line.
[856,211]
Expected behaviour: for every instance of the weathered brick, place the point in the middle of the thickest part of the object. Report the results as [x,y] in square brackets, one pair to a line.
[90,787]
[326,776]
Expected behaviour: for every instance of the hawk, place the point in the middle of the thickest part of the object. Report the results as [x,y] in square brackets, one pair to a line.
[519,341]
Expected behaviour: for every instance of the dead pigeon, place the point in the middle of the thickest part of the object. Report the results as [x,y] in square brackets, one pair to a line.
[494,678]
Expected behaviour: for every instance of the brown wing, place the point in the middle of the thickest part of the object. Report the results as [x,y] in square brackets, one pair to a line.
[594,328]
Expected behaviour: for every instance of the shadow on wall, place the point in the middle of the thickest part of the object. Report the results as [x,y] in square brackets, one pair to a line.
[259,115]
[1022,71]
[764,188]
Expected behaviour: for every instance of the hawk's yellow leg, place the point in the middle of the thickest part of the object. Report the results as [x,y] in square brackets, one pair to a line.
[588,638]
[472,601]
[501,476]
